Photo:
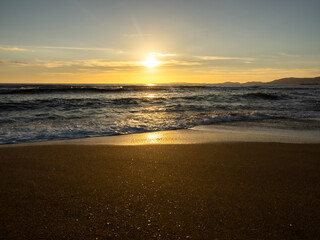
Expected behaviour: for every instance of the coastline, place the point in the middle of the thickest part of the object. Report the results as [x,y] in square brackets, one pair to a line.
[198,135]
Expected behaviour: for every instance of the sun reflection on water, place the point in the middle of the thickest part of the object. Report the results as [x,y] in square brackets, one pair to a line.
[150,96]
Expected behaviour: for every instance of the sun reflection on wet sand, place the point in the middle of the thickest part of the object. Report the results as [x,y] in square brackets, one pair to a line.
[154,137]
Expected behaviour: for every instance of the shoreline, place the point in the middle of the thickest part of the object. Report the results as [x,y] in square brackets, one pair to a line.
[197,135]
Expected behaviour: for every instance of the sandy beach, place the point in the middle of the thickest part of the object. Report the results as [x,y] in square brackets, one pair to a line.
[230,190]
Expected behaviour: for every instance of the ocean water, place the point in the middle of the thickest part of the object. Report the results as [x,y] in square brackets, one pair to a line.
[48,112]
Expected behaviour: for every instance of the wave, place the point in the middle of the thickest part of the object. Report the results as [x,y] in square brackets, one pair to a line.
[51,89]
[59,89]
[50,104]
[60,128]
[266,96]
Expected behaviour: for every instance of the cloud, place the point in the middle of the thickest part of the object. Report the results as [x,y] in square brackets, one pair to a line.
[99,64]
[12,49]
[117,51]
[91,63]
[20,63]
[157,54]
[287,54]
[262,72]
[81,48]
[213,58]
[181,63]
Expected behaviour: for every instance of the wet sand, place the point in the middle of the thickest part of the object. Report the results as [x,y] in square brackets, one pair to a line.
[194,191]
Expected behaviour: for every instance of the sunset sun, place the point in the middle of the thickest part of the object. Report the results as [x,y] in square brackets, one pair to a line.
[151,62]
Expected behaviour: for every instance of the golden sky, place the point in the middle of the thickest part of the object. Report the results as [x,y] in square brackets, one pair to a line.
[184,41]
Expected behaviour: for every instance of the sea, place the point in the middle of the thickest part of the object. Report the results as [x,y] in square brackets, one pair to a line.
[31,113]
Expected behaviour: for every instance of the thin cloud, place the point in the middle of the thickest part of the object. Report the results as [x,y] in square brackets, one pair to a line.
[181,63]
[12,49]
[92,63]
[287,54]
[88,63]
[260,73]
[19,63]
[213,58]
[80,48]
[63,48]
[157,54]
[100,64]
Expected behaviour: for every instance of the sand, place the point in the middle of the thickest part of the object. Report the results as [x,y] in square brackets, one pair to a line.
[193,191]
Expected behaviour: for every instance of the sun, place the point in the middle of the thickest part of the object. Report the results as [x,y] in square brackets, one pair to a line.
[151,62]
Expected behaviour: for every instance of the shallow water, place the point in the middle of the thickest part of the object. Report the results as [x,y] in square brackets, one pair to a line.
[48,112]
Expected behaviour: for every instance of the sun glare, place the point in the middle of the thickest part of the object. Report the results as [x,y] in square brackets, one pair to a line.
[151,62]
[150,96]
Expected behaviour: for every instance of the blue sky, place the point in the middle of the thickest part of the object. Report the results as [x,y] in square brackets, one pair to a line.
[196,41]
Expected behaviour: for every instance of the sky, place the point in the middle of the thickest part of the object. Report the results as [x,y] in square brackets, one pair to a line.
[194,41]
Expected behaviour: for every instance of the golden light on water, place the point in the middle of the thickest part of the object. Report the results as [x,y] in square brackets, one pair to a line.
[151,62]
[150,96]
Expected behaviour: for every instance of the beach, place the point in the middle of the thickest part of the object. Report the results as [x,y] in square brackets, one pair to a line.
[208,190]
[139,120]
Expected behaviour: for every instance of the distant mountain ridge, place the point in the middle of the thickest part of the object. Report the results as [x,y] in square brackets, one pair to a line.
[291,80]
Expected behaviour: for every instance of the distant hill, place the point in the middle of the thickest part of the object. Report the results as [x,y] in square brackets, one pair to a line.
[253,82]
[231,83]
[293,80]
